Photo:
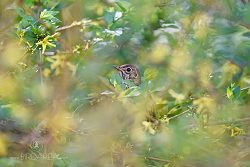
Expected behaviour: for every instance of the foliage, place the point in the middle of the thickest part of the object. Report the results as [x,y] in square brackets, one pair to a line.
[63,104]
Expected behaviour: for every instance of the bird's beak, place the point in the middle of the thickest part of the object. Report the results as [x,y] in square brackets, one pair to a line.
[117,68]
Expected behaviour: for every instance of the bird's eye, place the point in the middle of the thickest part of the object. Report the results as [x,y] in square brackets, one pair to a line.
[129,69]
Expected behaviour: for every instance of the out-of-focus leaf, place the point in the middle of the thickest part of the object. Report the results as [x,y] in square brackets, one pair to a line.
[229,93]
[150,74]
[3,145]
[124,5]
[148,127]
[5,111]
[236,131]
[109,16]
[134,92]
[49,16]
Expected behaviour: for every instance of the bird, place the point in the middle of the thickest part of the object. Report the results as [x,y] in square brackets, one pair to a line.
[129,72]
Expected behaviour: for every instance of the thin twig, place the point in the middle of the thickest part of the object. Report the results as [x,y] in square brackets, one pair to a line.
[78,132]
[161,5]
[184,112]
[38,8]
[74,24]
[158,159]
[245,25]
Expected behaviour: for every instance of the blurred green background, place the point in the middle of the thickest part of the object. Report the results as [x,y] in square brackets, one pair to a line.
[62,104]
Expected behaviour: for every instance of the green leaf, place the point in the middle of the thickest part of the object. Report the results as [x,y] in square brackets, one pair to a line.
[229,93]
[49,16]
[109,17]
[5,111]
[236,92]
[244,92]
[116,81]
[20,12]
[27,21]
[124,5]
[29,2]
[133,92]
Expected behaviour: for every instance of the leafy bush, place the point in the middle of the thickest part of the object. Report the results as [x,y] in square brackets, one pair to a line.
[63,104]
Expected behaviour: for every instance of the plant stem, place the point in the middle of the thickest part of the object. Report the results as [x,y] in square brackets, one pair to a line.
[74,24]
[40,65]
[158,159]
[184,112]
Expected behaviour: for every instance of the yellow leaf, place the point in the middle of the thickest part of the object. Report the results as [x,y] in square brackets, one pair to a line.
[179,97]
[45,42]
[205,104]
[201,25]
[181,60]
[46,72]
[235,131]
[204,71]
[148,127]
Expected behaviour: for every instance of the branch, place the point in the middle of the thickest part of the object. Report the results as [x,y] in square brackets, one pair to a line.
[74,24]
[158,159]
[184,112]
